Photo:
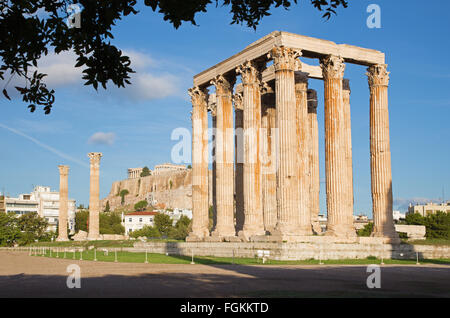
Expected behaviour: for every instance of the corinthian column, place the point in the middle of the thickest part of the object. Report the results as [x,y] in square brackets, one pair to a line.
[269,171]
[348,141]
[340,218]
[303,149]
[200,219]
[63,203]
[239,160]
[251,80]
[380,153]
[224,156]
[212,107]
[285,62]
[94,196]
[314,184]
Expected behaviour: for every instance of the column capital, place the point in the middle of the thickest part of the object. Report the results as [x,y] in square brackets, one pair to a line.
[238,101]
[95,156]
[333,66]
[63,170]
[224,84]
[312,100]
[198,95]
[267,88]
[378,75]
[284,58]
[251,72]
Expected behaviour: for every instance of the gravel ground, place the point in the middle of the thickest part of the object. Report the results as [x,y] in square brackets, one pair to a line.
[30,276]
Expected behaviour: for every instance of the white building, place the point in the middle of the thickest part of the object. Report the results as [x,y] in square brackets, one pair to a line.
[429,208]
[167,167]
[137,220]
[45,203]
[397,215]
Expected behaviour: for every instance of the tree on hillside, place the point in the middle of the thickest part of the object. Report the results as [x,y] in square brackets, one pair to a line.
[107,207]
[122,194]
[30,28]
[141,205]
[145,172]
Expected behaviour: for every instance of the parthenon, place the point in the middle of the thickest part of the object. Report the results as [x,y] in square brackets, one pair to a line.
[266,167]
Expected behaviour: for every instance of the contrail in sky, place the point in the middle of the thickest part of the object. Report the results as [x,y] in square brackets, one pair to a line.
[47,147]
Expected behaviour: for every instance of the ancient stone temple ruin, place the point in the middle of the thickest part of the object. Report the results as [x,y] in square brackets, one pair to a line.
[266,167]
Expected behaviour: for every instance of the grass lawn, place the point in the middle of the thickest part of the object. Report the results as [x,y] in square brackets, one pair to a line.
[97,244]
[130,257]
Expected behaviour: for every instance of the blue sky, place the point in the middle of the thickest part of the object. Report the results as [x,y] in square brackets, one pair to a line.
[132,127]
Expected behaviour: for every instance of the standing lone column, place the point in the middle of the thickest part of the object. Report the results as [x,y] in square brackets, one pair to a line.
[340,222]
[239,160]
[224,156]
[63,203]
[380,153]
[303,149]
[314,184]
[253,213]
[94,196]
[200,219]
[348,142]
[269,170]
[285,61]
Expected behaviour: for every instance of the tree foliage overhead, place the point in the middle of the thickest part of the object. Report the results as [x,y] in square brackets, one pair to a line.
[30,28]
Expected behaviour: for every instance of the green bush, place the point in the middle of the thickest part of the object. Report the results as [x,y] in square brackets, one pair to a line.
[146,231]
[437,225]
[110,223]
[366,231]
[141,205]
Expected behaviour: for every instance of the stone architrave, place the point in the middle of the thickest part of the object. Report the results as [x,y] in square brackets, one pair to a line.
[94,196]
[314,185]
[63,203]
[224,156]
[239,160]
[380,153]
[269,172]
[340,218]
[200,217]
[285,62]
[303,150]
[253,211]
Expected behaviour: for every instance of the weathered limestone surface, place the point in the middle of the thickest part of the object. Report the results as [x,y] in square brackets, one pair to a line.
[269,169]
[340,218]
[303,150]
[63,203]
[284,61]
[297,251]
[253,209]
[314,184]
[380,153]
[348,142]
[199,164]
[94,196]
[224,156]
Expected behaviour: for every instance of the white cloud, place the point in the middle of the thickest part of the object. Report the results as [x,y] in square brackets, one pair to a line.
[146,84]
[102,138]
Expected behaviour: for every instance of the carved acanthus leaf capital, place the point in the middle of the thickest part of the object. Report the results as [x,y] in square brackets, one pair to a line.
[238,101]
[267,88]
[199,96]
[333,67]
[224,84]
[95,157]
[251,72]
[378,75]
[63,170]
[285,58]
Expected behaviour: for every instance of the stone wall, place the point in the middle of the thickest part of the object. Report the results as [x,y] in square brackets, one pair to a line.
[296,251]
[173,189]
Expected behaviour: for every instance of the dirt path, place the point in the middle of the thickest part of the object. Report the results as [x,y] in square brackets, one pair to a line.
[29,276]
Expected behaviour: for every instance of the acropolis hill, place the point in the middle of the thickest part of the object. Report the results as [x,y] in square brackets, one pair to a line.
[168,185]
